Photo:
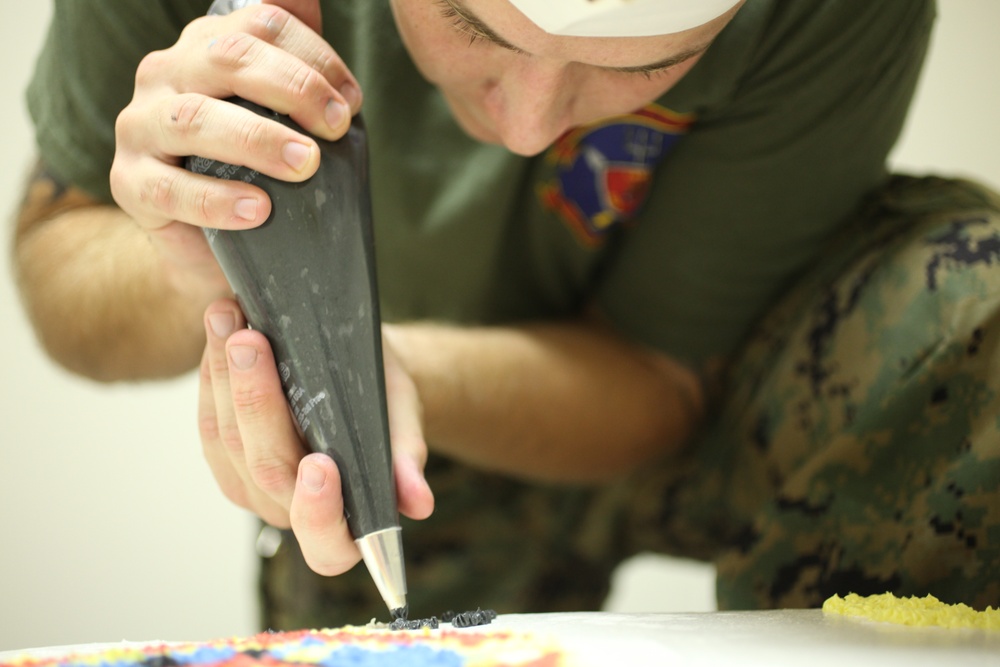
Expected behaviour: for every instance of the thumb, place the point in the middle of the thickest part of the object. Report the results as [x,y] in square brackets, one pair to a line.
[307,11]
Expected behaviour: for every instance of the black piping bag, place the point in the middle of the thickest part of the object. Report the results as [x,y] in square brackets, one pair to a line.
[306,280]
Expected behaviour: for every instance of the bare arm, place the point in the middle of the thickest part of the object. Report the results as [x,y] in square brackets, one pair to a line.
[566,402]
[100,297]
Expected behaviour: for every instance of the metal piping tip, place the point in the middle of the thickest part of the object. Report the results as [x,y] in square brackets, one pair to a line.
[382,552]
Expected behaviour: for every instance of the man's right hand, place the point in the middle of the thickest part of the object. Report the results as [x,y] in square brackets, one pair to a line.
[271,54]
[136,306]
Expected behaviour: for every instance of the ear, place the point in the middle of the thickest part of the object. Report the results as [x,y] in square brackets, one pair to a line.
[307,11]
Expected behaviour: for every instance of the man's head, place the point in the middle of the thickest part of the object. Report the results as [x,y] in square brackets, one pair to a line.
[510,79]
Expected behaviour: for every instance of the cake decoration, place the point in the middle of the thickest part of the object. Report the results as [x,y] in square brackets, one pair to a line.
[467,619]
[353,646]
[925,611]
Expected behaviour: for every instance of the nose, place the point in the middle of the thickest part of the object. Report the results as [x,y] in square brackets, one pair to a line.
[531,104]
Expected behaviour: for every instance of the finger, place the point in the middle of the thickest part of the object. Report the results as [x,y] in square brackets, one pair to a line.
[271,445]
[416,500]
[317,517]
[308,45]
[319,55]
[409,449]
[222,320]
[155,194]
[266,55]
[268,75]
[154,186]
[218,461]
[156,190]
[307,11]
[409,457]
[192,124]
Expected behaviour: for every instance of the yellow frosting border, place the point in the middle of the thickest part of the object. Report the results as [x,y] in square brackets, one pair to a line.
[915,611]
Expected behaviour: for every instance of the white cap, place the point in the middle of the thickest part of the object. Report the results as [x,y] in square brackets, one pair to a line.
[621,18]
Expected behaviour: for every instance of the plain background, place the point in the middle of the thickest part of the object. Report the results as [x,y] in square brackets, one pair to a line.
[111,526]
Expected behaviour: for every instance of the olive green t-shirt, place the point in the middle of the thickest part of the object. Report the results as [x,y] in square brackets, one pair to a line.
[680,223]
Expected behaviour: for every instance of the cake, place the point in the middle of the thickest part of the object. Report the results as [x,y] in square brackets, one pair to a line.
[925,611]
[357,646]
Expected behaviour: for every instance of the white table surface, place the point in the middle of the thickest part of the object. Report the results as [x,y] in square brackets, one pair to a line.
[786,638]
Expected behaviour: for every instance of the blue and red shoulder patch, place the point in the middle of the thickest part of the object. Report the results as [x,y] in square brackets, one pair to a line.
[603,171]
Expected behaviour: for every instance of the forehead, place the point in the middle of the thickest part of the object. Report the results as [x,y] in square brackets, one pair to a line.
[506,21]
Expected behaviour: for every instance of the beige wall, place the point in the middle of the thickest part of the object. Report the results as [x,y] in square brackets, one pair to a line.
[110,525]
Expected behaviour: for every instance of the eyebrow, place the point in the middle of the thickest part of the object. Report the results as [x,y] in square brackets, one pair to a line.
[474,23]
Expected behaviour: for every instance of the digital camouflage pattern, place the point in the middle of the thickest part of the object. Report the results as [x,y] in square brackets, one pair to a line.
[856,448]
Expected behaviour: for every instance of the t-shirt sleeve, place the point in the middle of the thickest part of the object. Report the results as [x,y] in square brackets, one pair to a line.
[84,76]
[747,200]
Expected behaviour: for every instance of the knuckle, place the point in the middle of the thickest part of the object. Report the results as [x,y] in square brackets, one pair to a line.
[128,132]
[161,193]
[267,21]
[151,67]
[124,123]
[218,366]
[231,438]
[186,114]
[205,203]
[250,401]
[271,476]
[208,429]
[303,82]
[326,61]
[253,135]
[196,29]
[204,375]
[119,182]
[234,51]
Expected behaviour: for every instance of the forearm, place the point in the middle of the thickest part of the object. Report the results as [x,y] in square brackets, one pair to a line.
[96,292]
[555,402]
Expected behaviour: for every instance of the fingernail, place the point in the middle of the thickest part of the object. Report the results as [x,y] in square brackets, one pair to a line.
[313,477]
[296,154]
[222,324]
[336,114]
[352,94]
[242,356]
[246,209]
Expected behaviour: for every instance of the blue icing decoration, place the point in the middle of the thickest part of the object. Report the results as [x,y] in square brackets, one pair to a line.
[311,640]
[204,654]
[104,662]
[397,656]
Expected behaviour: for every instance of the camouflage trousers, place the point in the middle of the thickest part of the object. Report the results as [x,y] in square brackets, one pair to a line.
[856,448]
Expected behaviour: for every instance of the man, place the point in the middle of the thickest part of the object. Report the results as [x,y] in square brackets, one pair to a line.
[582,212]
